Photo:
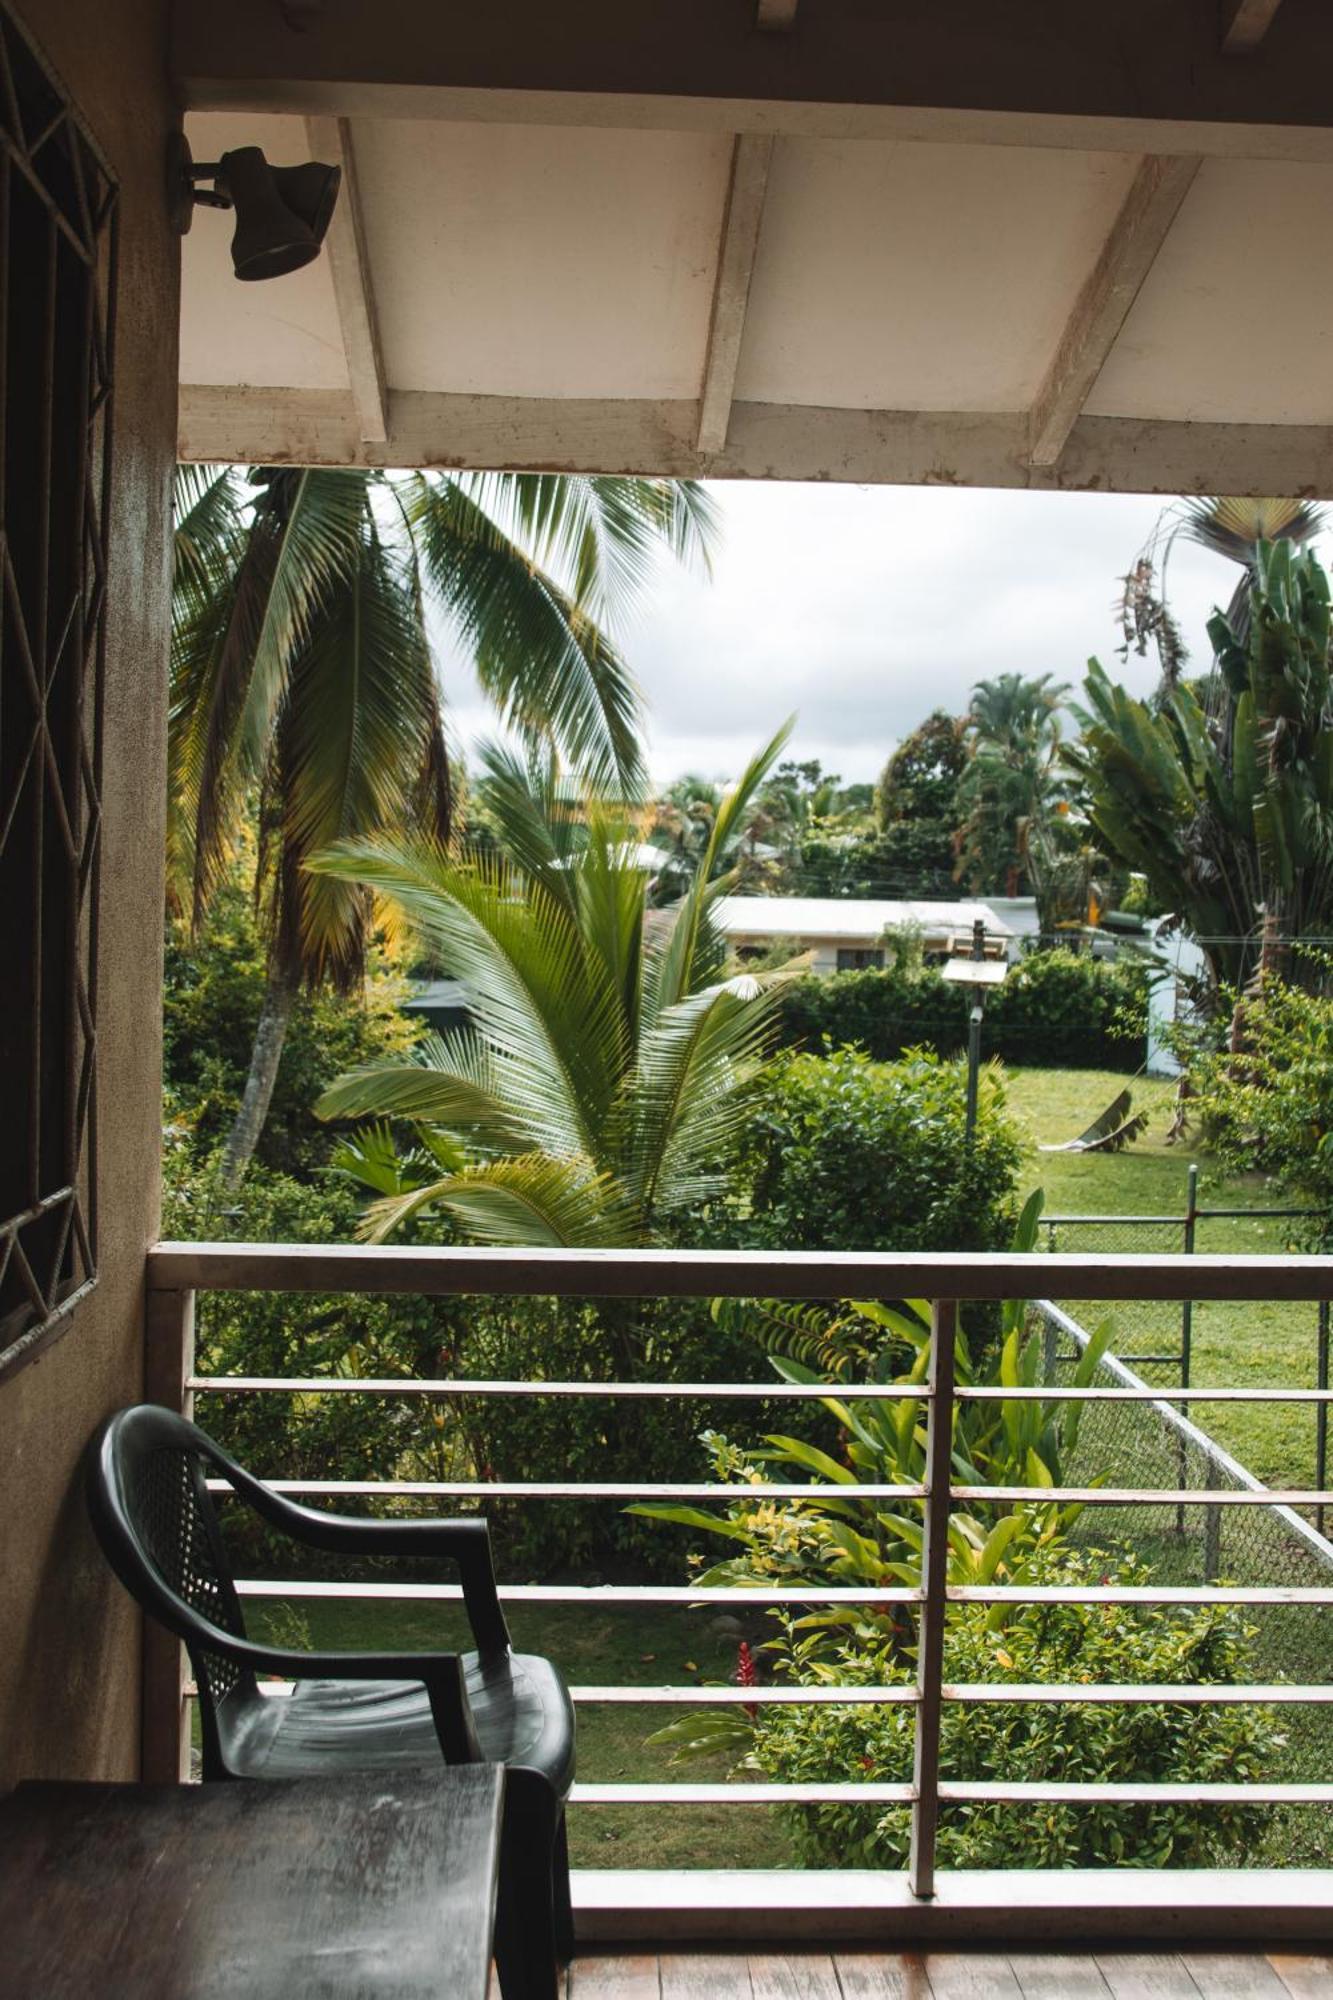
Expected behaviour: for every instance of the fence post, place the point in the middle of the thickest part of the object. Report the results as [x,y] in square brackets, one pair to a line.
[164,1714]
[930,1623]
[1321,1414]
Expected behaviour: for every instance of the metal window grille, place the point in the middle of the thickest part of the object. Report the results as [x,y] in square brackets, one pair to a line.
[58,209]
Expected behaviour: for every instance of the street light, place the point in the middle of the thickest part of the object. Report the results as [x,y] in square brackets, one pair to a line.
[978,972]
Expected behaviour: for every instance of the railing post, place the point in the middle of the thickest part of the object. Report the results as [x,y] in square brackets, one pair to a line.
[1187,1324]
[164,1715]
[1212,1533]
[934,1573]
[1321,1414]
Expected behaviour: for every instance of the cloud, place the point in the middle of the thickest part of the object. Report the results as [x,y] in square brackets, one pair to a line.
[864,607]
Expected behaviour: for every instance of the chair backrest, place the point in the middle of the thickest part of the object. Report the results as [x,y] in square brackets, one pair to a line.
[155,1519]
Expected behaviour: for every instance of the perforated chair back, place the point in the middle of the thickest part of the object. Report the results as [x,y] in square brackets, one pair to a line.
[157,1524]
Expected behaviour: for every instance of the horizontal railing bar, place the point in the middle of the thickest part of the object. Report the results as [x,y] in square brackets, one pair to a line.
[1137,1496]
[1255,1214]
[794,1274]
[741,1795]
[1179,1221]
[1165,1392]
[1118,1593]
[398,1385]
[589,1489]
[716,1490]
[1181,1694]
[1104,1221]
[743,1697]
[1006,1792]
[586,1594]
[1184,1694]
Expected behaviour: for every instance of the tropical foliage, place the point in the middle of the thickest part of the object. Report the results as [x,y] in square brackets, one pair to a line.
[1228,811]
[1013,786]
[835,1537]
[303,673]
[846,1154]
[600,1090]
[1057,1008]
[1265,1099]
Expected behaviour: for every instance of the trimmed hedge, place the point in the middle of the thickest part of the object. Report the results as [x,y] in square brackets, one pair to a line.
[1057,1009]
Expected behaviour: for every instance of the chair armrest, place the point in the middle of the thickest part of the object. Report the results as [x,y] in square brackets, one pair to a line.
[441,1674]
[466,1542]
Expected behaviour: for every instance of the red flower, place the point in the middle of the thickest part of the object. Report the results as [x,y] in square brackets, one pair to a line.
[747,1675]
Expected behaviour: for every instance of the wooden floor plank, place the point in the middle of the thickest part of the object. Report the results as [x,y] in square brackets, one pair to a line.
[977,1975]
[698,1975]
[1048,1976]
[1146,1975]
[1233,1975]
[1304,1978]
[877,1975]
[607,1976]
[798,1975]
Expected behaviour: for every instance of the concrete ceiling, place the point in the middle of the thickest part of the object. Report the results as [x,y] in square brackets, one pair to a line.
[1107,286]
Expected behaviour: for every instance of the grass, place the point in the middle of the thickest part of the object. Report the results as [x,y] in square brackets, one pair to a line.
[1233,1345]
[1262,1343]
[614,1646]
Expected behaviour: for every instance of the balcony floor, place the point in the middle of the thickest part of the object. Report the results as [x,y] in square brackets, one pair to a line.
[857,1975]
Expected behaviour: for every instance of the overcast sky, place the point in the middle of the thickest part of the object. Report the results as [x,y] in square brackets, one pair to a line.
[864,607]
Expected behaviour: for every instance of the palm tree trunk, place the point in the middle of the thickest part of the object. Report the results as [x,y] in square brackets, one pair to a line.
[265,1055]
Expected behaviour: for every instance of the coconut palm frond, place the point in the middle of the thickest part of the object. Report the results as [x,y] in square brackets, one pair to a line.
[599,536]
[551,671]
[530,1200]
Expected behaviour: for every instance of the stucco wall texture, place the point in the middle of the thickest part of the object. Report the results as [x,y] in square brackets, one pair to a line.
[69,1659]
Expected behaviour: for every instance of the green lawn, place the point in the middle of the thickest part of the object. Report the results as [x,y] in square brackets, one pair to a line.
[1232,1344]
[609,1647]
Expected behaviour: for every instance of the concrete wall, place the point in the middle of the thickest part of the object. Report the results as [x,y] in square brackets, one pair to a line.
[69,1662]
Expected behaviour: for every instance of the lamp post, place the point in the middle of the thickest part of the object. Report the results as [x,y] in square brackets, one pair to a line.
[978,972]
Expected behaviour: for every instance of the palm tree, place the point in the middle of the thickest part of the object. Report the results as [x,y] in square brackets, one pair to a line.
[1228,811]
[603,1083]
[1011,786]
[303,675]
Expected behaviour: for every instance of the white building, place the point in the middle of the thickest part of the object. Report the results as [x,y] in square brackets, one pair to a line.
[846,934]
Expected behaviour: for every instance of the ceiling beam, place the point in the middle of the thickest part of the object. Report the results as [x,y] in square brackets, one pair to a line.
[741,221]
[345,247]
[1137,77]
[1104,300]
[1245,23]
[764,441]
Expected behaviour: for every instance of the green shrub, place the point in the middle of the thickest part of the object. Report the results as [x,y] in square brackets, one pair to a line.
[213,990]
[1269,1105]
[847,1154]
[1056,1009]
[345,1436]
[1038,1741]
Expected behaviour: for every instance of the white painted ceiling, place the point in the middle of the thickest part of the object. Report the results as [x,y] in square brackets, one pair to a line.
[545,262]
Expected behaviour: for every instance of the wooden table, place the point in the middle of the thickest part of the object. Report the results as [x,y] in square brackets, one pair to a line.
[359,1888]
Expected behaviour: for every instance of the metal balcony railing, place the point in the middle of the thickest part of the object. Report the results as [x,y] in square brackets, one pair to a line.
[176,1271]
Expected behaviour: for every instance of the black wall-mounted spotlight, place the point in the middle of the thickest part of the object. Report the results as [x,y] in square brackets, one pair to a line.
[282,213]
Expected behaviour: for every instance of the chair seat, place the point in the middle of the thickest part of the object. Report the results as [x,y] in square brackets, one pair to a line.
[520,1708]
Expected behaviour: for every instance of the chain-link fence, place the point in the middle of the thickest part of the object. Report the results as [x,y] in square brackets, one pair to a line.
[1153,1445]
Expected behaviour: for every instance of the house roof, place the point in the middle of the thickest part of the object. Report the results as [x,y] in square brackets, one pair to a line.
[1033,246]
[814,917]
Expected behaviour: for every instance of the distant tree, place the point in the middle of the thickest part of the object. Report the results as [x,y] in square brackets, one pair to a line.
[1014,787]
[920,780]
